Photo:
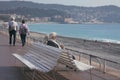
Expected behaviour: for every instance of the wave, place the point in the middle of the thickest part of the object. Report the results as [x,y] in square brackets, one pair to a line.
[106,40]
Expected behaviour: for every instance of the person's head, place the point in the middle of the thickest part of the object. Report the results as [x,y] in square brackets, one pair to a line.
[23,21]
[12,18]
[53,35]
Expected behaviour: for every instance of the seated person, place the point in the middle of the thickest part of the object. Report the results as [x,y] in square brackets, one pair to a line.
[52,41]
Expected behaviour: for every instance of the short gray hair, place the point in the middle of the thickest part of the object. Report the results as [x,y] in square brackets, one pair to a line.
[52,34]
[12,18]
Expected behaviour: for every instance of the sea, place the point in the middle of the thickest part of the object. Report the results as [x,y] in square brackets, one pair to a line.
[100,32]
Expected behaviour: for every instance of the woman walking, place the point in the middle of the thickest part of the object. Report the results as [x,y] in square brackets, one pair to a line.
[23,30]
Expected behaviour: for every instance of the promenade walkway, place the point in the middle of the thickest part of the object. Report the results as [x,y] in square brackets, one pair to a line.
[9,71]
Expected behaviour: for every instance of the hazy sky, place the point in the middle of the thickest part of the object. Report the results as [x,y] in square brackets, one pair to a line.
[79,2]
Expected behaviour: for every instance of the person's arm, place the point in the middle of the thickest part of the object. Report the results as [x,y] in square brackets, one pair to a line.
[62,46]
[27,29]
[17,28]
[20,29]
[9,26]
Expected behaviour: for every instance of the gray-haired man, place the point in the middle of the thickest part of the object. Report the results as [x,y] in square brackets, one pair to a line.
[13,27]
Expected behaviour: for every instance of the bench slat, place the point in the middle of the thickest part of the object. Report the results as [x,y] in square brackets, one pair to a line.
[36,63]
[40,61]
[49,60]
[47,48]
[26,62]
[45,53]
[29,64]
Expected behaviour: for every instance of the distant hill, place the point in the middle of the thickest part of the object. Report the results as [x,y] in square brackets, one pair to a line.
[28,8]
[107,14]
[33,12]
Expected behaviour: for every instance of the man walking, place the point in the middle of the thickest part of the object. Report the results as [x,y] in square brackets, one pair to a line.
[13,27]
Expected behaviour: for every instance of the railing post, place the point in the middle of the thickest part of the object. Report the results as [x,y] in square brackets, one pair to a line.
[90,59]
[80,57]
[104,66]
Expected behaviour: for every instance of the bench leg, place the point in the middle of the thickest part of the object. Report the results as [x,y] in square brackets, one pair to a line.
[33,76]
[15,62]
[53,73]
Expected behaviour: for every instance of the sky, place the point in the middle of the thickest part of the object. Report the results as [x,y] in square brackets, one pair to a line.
[86,3]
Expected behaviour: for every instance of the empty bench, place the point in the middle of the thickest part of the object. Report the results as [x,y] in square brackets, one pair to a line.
[40,58]
[67,59]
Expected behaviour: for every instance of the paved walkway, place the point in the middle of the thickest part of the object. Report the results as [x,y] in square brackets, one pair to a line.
[8,70]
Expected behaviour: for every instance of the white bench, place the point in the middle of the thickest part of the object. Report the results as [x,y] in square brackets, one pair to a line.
[66,59]
[40,57]
[45,58]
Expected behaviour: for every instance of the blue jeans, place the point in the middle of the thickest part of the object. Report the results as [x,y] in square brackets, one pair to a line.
[23,39]
[12,35]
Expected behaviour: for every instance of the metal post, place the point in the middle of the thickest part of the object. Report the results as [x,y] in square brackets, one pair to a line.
[99,63]
[80,57]
[104,66]
[90,62]
[90,59]
[53,73]
[91,75]
[33,76]
[26,39]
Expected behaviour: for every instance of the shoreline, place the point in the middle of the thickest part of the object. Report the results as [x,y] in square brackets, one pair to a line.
[67,23]
[107,37]
[95,40]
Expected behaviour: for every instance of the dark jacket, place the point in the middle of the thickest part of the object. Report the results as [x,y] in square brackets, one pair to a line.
[52,43]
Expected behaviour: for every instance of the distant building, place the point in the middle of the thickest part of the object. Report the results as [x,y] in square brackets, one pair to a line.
[45,19]
[70,21]
[57,18]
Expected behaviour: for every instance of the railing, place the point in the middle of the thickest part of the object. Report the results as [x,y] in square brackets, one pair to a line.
[100,60]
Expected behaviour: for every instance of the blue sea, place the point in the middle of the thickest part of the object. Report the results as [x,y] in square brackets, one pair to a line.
[102,32]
